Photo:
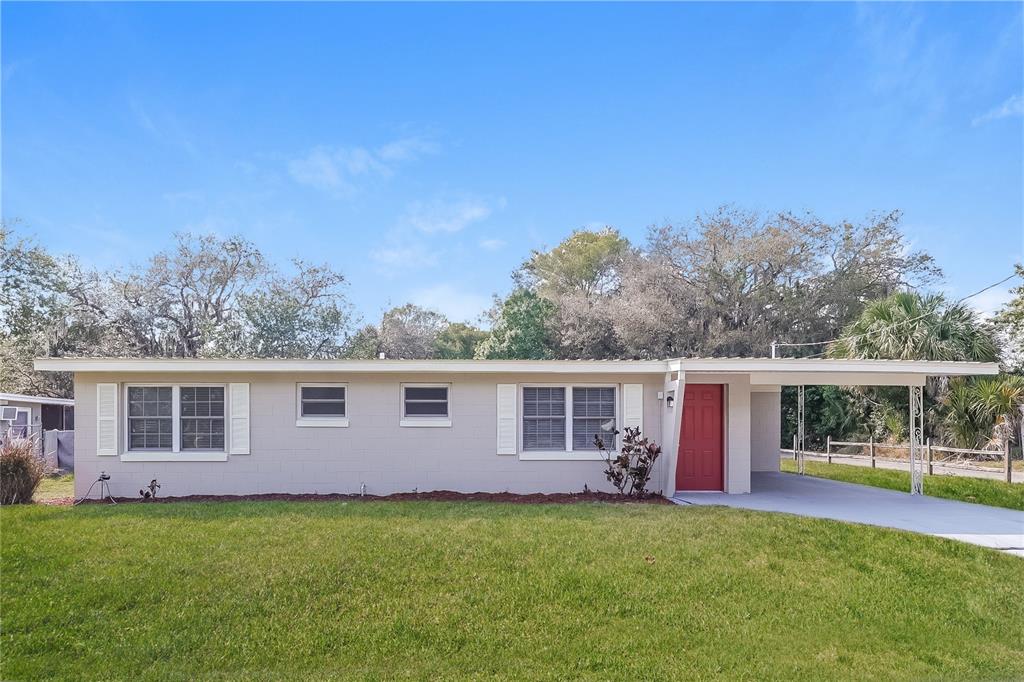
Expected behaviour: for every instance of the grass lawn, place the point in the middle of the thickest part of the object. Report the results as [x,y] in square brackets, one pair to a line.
[55,488]
[316,590]
[979,490]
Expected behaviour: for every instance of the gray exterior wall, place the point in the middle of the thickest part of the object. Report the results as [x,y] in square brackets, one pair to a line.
[765,430]
[374,450]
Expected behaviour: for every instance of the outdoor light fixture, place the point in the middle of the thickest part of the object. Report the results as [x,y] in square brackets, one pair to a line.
[670,400]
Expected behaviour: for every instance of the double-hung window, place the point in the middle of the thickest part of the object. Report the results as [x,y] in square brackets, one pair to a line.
[322,405]
[202,417]
[176,419]
[565,419]
[150,418]
[426,405]
[544,418]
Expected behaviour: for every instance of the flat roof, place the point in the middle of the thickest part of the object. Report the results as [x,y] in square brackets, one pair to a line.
[768,370]
[41,399]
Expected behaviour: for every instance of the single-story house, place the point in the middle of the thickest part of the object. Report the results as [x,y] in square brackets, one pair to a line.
[22,415]
[235,427]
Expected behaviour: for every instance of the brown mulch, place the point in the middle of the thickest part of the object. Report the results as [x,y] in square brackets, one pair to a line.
[435,495]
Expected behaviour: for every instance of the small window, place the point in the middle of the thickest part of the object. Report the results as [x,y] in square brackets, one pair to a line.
[593,414]
[202,417]
[425,402]
[150,418]
[544,418]
[321,402]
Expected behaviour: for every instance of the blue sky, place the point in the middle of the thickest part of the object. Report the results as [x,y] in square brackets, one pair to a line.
[425,149]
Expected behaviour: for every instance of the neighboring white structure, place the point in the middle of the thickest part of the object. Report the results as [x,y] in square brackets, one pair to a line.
[238,427]
[23,415]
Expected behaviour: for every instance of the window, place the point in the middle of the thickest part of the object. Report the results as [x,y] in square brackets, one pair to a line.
[150,418]
[425,405]
[175,419]
[202,418]
[565,419]
[593,413]
[544,418]
[322,405]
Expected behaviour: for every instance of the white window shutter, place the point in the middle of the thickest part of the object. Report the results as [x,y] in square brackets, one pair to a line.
[633,405]
[507,426]
[106,419]
[239,418]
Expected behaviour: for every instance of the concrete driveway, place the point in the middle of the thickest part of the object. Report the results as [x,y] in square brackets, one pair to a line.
[807,496]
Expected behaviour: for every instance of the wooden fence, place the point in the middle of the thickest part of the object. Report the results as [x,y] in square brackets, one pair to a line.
[947,457]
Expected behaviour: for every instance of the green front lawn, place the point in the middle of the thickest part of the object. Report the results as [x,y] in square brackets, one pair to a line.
[317,590]
[963,488]
[53,488]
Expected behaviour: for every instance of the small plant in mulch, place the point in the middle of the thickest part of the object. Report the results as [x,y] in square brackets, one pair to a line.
[630,469]
[20,471]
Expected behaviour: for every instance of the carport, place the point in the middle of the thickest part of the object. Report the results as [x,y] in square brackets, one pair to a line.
[750,408]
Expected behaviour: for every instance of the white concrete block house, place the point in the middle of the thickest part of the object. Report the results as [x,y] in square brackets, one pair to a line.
[235,427]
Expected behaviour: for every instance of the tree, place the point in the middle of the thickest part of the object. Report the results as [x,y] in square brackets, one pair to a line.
[520,328]
[1010,324]
[459,341]
[585,263]
[304,316]
[907,326]
[733,281]
[407,332]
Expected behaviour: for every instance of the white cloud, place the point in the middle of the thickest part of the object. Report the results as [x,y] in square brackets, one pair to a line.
[1013,106]
[492,244]
[446,216]
[399,256]
[340,171]
[407,149]
[453,303]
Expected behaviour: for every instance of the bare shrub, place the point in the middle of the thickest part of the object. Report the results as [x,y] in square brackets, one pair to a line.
[20,471]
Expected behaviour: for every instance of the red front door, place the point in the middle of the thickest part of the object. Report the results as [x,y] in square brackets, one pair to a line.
[701,461]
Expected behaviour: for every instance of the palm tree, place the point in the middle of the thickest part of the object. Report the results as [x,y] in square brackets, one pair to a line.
[998,401]
[908,326]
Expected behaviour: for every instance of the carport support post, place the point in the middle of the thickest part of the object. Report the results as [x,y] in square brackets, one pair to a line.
[916,436]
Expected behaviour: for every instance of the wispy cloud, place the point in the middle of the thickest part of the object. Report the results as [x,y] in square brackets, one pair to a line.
[453,302]
[397,256]
[341,171]
[164,126]
[1013,106]
[448,216]
[492,244]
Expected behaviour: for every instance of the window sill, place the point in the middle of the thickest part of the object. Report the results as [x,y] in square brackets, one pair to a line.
[202,456]
[334,422]
[426,422]
[579,455]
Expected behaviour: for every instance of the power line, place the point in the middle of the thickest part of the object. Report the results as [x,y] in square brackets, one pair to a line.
[776,344]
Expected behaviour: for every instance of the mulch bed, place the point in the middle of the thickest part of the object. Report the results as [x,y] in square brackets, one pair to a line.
[436,496]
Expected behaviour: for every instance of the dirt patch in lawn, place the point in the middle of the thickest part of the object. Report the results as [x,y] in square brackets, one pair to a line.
[435,495]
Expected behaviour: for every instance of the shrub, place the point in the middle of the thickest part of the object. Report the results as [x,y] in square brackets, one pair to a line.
[20,471]
[630,470]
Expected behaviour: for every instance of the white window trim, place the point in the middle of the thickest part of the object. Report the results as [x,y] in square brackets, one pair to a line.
[568,454]
[427,421]
[312,421]
[175,454]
